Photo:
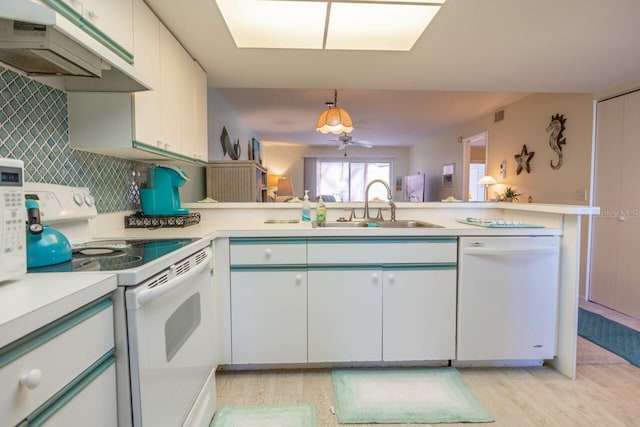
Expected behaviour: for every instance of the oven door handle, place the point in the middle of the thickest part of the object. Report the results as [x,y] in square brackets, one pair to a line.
[139,297]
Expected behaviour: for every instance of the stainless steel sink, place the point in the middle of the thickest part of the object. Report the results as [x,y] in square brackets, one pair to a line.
[376,224]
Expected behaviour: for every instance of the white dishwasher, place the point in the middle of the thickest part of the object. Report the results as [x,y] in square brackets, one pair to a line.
[507,298]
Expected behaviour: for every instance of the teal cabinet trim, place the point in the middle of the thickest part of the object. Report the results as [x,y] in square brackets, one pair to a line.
[396,267]
[343,267]
[88,27]
[24,345]
[404,267]
[164,153]
[262,267]
[378,240]
[68,392]
[266,240]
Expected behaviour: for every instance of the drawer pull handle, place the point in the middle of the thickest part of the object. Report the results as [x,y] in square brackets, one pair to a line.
[32,379]
[392,278]
[374,278]
[267,253]
[298,279]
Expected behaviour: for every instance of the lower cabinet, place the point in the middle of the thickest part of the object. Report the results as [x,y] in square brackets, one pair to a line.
[419,313]
[345,315]
[62,374]
[269,315]
[342,300]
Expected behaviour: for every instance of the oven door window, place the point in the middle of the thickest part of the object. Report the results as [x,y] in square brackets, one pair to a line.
[181,325]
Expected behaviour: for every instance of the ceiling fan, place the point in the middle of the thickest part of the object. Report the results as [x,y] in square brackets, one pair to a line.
[346,140]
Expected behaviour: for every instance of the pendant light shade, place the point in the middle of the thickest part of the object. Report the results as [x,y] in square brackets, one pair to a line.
[334,119]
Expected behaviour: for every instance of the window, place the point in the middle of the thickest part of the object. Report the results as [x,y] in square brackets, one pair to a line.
[346,180]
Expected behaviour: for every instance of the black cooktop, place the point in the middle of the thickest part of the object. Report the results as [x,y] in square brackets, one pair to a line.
[114,255]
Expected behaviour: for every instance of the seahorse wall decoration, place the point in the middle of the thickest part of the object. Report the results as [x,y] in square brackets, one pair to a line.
[556,138]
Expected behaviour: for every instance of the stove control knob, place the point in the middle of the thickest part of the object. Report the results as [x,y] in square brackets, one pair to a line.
[89,200]
[77,197]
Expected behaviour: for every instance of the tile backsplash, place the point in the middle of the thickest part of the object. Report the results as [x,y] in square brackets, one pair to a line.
[34,129]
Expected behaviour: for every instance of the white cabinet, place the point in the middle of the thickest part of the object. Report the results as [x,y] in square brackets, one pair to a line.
[268,301]
[390,299]
[269,315]
[113,17]
[146,48]
[615,233]
[345,314]
[168,121]
[108,21]
[419,313]
[46,379]
[508,298]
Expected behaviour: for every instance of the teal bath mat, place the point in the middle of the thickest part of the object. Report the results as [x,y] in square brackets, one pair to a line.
[615,337]
[403,396]
[265,416]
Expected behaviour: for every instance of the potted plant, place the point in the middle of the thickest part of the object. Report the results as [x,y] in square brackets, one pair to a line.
[510,195]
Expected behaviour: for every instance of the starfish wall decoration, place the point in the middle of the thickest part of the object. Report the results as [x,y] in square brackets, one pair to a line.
[523,160]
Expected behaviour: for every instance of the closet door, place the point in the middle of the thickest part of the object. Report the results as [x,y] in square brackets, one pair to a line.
[628,282]
[605,228]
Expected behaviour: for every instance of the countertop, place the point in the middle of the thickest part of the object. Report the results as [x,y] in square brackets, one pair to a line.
[33,300]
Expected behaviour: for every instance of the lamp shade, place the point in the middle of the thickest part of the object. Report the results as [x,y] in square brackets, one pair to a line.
[487,180]
[334,120]
[285,187]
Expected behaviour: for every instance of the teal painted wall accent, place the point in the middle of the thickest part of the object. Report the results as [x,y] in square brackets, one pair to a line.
[34,128]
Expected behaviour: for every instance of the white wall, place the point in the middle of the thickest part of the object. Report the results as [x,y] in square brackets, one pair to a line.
[524,123]
[219,115]
[288,160]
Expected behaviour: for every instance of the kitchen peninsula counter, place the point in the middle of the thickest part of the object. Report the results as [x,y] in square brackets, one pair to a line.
[221,221]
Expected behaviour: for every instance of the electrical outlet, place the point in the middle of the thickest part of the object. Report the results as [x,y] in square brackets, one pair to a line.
[503,169]
[581,195]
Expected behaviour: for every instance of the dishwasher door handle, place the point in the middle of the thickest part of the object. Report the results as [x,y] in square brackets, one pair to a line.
[483,251]
[141,296]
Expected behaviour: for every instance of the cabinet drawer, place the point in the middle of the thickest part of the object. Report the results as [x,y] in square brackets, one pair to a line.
[382,250]
[267,251]
[60,351]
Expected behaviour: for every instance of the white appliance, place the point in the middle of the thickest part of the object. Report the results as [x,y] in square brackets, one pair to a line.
[13,245]
[163,309]
[507,298]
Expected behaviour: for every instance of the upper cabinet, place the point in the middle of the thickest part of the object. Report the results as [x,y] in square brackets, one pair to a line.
[108,21]
[167,122]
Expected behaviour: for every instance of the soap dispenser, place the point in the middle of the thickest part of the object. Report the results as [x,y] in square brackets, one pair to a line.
[321,211]
[306,207]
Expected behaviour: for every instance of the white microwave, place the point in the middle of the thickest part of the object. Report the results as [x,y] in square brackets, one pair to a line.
[13,237]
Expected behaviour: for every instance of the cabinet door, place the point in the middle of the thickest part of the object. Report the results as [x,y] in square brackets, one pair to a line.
[345,315]
[171,53]
[187,105]
[201,150]
[627,298]
[112,17]
[419,314]
[605,228]
[147,111]
[269,316]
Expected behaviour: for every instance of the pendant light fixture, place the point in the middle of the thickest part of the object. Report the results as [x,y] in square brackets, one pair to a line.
[334,119]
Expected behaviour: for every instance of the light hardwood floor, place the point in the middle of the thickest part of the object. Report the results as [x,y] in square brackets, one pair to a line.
[606,392]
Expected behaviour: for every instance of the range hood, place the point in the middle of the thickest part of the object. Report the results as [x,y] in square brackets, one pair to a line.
[40,42]
[41,50]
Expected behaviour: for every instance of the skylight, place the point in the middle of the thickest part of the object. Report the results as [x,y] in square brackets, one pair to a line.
[340,25]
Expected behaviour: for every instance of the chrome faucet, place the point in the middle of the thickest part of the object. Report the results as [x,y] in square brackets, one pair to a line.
[389,199]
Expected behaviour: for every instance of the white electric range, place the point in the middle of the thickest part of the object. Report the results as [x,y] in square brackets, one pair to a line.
[163,309]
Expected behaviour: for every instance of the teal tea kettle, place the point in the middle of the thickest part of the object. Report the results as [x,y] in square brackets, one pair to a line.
[45,245]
